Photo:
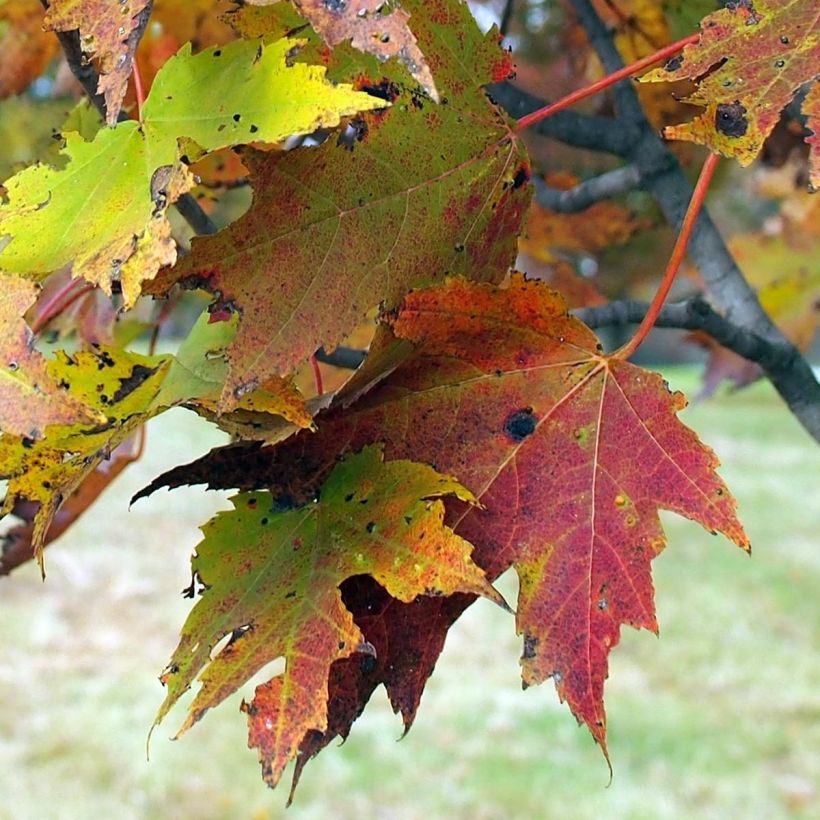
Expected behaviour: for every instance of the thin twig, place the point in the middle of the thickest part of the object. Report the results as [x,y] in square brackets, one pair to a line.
[612,78]
[693,314]
[606,186]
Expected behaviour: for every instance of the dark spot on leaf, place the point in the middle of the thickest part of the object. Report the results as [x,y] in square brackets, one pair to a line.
[522,177]
[371,526]
[730,119]
[385,90]
[27,442]
[237,117]
[520,424]
[254,129]
[341,644]
[530,646]
[408,519]
[264,521]
[128,385]
[675,63]
[218,52]
[349,496]
[252,502]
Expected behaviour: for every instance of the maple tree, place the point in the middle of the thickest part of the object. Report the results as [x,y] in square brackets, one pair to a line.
[484,427]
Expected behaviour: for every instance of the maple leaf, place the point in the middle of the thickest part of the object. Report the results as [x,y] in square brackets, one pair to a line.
[372,27]
[120,386]
[105,210]
[445,193]
[30,397]
[16,545]
[108,32]
[25,49]
[749,62]
[271,582]
[571,453]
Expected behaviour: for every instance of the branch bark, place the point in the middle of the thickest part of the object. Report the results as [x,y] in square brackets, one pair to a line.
[587,193]
[693,314]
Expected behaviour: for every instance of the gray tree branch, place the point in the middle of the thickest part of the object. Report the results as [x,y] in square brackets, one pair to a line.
[587,193]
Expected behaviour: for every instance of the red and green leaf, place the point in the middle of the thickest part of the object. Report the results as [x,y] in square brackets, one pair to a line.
[418,192]
[271,579]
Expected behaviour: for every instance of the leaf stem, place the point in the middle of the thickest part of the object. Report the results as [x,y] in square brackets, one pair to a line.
[678,254]
[604,82]
[317,375]
[138,90]
[55,305]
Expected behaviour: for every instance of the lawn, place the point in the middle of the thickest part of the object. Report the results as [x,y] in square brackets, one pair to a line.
[720,717]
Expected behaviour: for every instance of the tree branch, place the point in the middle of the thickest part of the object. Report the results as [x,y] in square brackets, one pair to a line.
[89,79]
[348,358]
[632,137]
[506,17]
[579,130]
[693,314]
[587,193]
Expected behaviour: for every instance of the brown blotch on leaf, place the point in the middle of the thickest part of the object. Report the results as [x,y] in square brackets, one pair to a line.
[530,647]
[730,119]
[520,424]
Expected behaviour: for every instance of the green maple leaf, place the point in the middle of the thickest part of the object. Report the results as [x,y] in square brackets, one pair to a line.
[105,210]
[272,578]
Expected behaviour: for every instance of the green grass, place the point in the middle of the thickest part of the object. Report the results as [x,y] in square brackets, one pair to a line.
[720,717]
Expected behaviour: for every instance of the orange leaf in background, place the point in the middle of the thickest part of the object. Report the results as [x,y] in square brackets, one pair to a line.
[571,454]
[602,225]
[199,22]
[751,59]
[25,49]
[785,271]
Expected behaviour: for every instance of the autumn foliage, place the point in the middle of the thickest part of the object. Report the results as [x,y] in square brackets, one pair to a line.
[486,428]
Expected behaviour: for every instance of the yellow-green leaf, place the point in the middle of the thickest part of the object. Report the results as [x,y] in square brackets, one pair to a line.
[121,387]
[105,211]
